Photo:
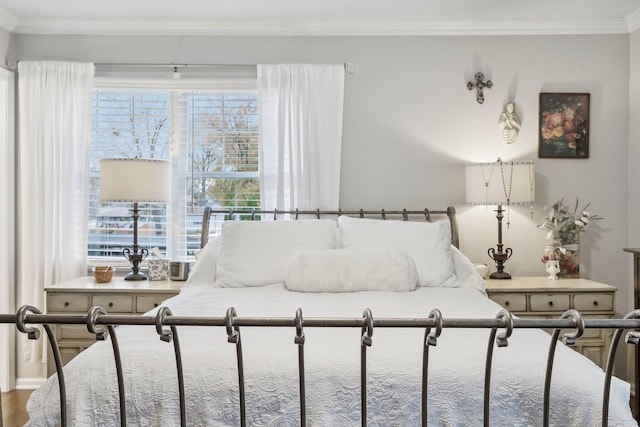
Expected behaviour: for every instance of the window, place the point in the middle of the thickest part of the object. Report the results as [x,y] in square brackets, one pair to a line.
[211,138]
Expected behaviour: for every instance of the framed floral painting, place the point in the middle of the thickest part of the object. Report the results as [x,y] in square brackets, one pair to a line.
[564,126]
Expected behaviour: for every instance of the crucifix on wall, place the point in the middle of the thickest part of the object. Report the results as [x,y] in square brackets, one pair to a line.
[479,85]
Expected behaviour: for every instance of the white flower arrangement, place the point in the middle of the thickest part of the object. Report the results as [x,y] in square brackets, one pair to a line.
[565,226]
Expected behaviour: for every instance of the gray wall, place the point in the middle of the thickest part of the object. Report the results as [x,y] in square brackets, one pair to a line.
[410,123]
[633,158]
[634,139]
[4,46]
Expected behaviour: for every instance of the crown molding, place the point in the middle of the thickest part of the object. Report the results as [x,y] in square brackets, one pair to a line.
[8,20]
[633,20]
[325,28]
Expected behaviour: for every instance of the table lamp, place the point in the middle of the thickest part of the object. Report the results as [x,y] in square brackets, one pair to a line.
[500,183]
[135,180]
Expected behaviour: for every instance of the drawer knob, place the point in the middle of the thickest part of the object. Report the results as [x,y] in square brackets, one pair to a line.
[506,303]
[66,303]
[550,303]
[595,303]
[155,304]
[110,304]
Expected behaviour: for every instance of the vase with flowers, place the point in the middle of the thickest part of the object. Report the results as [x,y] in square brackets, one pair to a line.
[564,229]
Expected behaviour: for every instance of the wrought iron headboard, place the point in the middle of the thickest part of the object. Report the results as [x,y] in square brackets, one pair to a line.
[403,214]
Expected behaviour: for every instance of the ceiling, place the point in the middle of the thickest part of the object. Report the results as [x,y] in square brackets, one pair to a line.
[320,17]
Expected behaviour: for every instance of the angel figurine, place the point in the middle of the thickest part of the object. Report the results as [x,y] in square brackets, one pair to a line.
[509,123]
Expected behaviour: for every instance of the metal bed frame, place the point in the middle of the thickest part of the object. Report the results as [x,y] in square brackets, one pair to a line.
[102,324]
[255,214]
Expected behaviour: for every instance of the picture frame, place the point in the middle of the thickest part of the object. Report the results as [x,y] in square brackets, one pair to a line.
[563,125]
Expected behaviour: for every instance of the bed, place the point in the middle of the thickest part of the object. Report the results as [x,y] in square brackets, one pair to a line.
[363,300]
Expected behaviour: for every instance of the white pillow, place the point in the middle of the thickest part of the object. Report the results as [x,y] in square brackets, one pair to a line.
[467,273]
[351,270]
[429,243]
[204,270]
[254,253]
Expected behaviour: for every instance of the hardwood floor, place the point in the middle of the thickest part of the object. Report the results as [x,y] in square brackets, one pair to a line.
[14,408]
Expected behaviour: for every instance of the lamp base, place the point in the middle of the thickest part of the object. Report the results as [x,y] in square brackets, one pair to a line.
[135,276]
[498,255]
[499,275]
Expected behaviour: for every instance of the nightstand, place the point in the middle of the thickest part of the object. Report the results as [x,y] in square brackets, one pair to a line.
[119,296]
[538,297]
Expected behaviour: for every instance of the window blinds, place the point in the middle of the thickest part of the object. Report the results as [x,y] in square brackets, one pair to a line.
[218,166]
[211,138]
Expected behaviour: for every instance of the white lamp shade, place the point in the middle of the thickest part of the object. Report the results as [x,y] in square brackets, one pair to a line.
[494,183]
[135,180]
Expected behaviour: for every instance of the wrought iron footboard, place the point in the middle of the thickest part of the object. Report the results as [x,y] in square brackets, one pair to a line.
[102,324]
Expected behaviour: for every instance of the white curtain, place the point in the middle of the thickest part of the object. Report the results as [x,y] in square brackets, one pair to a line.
[53,162]
[300,135]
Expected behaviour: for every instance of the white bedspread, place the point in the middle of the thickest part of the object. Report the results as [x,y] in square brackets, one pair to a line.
[332,367]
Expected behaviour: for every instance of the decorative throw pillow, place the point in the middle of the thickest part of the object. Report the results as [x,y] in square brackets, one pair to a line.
[351,270]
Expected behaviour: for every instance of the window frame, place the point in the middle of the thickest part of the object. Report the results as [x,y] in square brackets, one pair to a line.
[246,85]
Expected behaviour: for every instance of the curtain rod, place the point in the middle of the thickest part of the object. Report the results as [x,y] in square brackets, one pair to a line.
[348,66]
[157,65]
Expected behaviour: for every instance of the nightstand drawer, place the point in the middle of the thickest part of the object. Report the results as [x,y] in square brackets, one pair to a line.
[550,302]
[68,303]
[114,303]
[592,302]
[512,302]
[149,302]
[74,332]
